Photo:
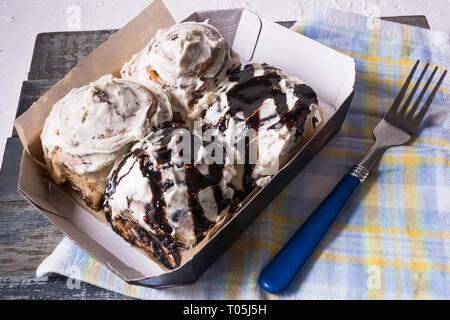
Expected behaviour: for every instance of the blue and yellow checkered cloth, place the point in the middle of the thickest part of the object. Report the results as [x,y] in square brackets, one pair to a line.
[392,241]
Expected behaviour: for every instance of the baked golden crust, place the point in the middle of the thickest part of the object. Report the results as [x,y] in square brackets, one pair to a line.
[90,186]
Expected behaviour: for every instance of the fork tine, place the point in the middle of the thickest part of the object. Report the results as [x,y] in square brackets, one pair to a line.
[413,92]
[418,119]
[422,93]
[400,95]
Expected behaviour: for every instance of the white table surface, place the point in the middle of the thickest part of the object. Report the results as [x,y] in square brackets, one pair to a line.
[22,20]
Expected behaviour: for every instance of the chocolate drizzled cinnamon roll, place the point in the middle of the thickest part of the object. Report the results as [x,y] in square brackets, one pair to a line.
[274,111]
[165,192]
[93,126]
[187,59]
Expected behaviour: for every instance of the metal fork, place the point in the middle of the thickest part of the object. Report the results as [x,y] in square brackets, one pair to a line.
[396,128]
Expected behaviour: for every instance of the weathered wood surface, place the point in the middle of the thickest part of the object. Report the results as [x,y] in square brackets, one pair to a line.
[52,288]
[31,91]
[9,173]
[26,237]
[56,53]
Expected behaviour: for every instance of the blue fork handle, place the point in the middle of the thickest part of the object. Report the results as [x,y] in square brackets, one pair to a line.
[281,272]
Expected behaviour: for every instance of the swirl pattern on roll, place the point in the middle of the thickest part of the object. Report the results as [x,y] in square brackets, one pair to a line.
[95,123]
[176,200]
[186,59]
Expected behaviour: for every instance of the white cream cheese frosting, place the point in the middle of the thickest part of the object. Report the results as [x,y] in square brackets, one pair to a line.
[186,59]
[93,125]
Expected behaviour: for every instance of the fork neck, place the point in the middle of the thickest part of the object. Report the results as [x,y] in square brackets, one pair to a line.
[362,168]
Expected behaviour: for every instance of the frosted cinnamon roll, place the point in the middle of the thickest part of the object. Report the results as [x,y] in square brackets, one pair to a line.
[186,59]
[262,115]
[164,198]
[93,126]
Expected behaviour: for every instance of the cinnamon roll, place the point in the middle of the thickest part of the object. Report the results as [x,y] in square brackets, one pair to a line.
[187,59]
[164,198]
[262,114]
[92,127]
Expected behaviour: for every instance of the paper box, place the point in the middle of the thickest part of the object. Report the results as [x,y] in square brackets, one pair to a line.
[330,73]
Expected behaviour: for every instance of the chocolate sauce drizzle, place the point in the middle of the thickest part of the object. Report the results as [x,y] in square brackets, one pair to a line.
[249,94]
[195,181]
[296,117]
[155,210]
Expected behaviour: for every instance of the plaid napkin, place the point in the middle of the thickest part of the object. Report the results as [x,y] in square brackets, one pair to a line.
[393,239]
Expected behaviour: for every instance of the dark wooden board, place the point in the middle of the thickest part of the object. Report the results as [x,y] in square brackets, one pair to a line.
[52,288]
[56,53]
[31,91]
[26,237]
[9,174]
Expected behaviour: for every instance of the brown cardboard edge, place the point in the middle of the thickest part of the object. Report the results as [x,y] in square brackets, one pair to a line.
[198,248]
[74,197]
[29,125]
[100,62]
[73,232]
[29,130]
